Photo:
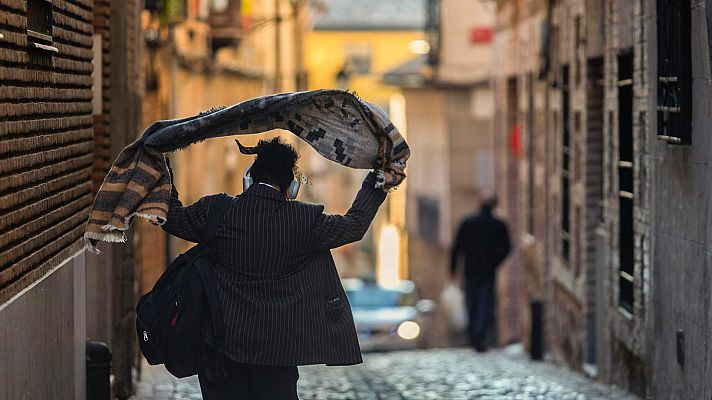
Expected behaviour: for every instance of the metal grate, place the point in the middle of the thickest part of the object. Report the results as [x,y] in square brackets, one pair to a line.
[674,103]
[626,261]
[565,170]
[530,154]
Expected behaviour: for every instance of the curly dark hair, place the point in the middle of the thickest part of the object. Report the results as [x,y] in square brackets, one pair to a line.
[276,162]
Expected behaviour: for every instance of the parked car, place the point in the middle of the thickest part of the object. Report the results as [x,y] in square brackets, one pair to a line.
[388,318]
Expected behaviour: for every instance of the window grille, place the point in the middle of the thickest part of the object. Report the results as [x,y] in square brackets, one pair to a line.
[626,192]
[530,154]
[674,102]
[565,171]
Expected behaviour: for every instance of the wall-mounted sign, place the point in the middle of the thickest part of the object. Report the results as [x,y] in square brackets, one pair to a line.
[480,34]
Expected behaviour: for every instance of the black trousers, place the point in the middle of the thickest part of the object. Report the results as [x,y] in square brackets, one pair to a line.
[233,381]
[480,297]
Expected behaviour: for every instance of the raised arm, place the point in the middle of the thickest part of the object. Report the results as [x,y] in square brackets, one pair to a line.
[187,222]
[331,231]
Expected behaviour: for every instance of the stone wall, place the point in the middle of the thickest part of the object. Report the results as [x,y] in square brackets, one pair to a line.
[551,191]
[655,346]
[677,289]
[625,359]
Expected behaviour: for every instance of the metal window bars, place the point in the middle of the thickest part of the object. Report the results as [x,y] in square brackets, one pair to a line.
[674,84]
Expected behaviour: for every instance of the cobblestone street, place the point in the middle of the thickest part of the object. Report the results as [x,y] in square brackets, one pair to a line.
[431,374]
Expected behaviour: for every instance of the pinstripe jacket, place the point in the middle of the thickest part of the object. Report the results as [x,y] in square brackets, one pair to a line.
[282,299]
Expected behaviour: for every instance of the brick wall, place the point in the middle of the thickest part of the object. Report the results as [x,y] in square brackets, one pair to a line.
[534,194]
[102,141]
[626,356]
[45,142]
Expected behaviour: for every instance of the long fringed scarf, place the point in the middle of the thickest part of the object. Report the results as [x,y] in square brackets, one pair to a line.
[339,125]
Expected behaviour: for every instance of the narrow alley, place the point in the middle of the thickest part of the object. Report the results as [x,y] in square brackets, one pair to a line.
[417,374]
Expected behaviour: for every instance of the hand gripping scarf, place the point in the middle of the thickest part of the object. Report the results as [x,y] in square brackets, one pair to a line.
[340,127]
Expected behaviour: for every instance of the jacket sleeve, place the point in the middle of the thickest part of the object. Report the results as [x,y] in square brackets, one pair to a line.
[503,246]
[331,231]
[187,222]
[457,248]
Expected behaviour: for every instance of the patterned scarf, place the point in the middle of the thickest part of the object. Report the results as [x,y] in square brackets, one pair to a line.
[339,125]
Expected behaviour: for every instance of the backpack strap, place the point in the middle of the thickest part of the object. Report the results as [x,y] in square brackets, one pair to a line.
[215,217]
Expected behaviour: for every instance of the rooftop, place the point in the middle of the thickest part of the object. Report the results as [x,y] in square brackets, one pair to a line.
[411,74]
[357,15]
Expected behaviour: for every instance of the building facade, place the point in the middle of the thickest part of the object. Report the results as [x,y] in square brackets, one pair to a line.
[601,146]
[69,100]
[549,94]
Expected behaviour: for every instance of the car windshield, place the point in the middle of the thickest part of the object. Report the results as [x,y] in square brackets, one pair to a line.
[374,297]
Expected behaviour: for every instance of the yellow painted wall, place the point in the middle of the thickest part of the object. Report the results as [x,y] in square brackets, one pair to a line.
[325,56]
[325,53]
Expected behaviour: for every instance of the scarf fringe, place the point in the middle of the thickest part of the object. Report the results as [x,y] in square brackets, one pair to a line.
[92,238]
[114,234]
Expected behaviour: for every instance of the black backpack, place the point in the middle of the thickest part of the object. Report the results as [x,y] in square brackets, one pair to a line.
[172,319]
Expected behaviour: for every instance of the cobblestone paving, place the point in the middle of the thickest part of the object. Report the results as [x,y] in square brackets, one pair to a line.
[427,374]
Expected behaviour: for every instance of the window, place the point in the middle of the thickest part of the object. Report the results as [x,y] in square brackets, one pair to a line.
[674,105]
[428,219]
[220,5]
[357,58]
[579,43]
[432,31]
[577,155]
[530,154]
[565,172]
[626,192]
[39,30]
[39,20]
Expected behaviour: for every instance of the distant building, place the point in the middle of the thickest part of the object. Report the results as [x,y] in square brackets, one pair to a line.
[350,46]
[70,98]
[601,127]
[449,111]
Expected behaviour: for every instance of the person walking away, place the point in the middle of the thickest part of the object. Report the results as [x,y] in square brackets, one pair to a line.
[282,299]
[483,239]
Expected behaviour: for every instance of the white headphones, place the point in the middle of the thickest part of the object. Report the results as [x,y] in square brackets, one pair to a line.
[292,191]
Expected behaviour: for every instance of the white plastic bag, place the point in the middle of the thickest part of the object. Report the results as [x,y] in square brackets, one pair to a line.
[453,301]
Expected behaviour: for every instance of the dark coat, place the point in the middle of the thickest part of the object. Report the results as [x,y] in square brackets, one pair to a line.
[484,241]
[282,298]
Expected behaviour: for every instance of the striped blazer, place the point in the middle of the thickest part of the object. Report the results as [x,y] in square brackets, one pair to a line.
[282,299]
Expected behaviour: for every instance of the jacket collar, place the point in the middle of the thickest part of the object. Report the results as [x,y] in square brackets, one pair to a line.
[264,191]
